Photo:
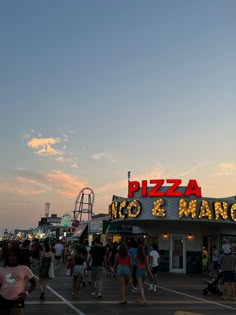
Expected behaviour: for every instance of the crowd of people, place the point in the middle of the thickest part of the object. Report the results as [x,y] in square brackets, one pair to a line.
[87,265]
[131,263]
[127,262]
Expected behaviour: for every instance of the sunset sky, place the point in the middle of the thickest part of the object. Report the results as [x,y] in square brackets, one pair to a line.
[90,90]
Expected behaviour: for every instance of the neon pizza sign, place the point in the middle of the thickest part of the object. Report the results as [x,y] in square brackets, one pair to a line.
[191,189]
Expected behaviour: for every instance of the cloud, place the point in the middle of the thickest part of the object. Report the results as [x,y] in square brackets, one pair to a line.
[74,165]
[65,184]
[43,146]
[227,168]
[102,155]
[53,147]
[60,159]
[32,183]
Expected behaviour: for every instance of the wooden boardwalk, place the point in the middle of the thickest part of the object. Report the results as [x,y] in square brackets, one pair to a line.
[177,294]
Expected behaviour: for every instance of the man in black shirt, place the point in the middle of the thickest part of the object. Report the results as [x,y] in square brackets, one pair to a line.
[26,254]
[97,254]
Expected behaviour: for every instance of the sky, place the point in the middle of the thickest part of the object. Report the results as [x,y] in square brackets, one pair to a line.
[90,90]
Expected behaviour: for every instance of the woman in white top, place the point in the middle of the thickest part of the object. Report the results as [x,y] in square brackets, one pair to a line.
[154,259]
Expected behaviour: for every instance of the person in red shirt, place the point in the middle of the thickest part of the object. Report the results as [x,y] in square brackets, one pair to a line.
[14,282]
[123,268]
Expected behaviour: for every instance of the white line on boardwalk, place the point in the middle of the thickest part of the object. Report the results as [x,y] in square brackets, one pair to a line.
[77,311]
[97,302]
[196,298]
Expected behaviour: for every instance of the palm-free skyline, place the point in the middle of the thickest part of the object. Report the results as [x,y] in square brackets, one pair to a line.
[93,89]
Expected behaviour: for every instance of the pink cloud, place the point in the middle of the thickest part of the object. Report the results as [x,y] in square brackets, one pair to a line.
[228,167]
[29,183]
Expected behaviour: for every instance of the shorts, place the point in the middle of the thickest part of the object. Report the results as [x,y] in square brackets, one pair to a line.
[154,269]
[78,270]
[141,273]
[9,304]
[123,271]
[228,276]
[97,273]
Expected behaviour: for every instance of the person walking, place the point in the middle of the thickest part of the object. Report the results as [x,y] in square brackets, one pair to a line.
[123,268]
[107,253]
[97,256]
[16,283]
[45,262]
[26,254]
[228,265]
[58,250]
[215,259]
[112,255]
[35,254]
[154,263]
[79,258]
[133,252]
[142,263]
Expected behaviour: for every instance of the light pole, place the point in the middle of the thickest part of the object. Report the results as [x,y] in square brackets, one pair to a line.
[128,181]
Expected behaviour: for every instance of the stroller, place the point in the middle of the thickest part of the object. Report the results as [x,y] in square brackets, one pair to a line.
[214,284]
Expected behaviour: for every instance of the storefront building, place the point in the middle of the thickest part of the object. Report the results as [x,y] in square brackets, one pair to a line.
[97,228]
[178,219]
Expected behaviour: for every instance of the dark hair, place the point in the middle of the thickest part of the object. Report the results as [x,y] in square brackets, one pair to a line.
[154,246]
[141,256]
[97,240]
[134,244]
[15,252]
[123,250]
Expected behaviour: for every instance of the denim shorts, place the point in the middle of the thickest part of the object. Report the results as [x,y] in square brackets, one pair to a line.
[141,273]
[78,270]
[123,270]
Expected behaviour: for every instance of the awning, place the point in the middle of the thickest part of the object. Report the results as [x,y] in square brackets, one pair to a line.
[98,226]
[120,228]
[81,229]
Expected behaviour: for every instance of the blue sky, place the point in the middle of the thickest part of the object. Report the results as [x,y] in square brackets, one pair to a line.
[90,90]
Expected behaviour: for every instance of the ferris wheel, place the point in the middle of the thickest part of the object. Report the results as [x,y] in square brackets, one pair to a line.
[83,209]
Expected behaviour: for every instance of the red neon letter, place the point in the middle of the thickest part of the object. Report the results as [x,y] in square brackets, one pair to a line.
[171,191]
[144,188]
[192,189]
[154,191]
[133,186]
